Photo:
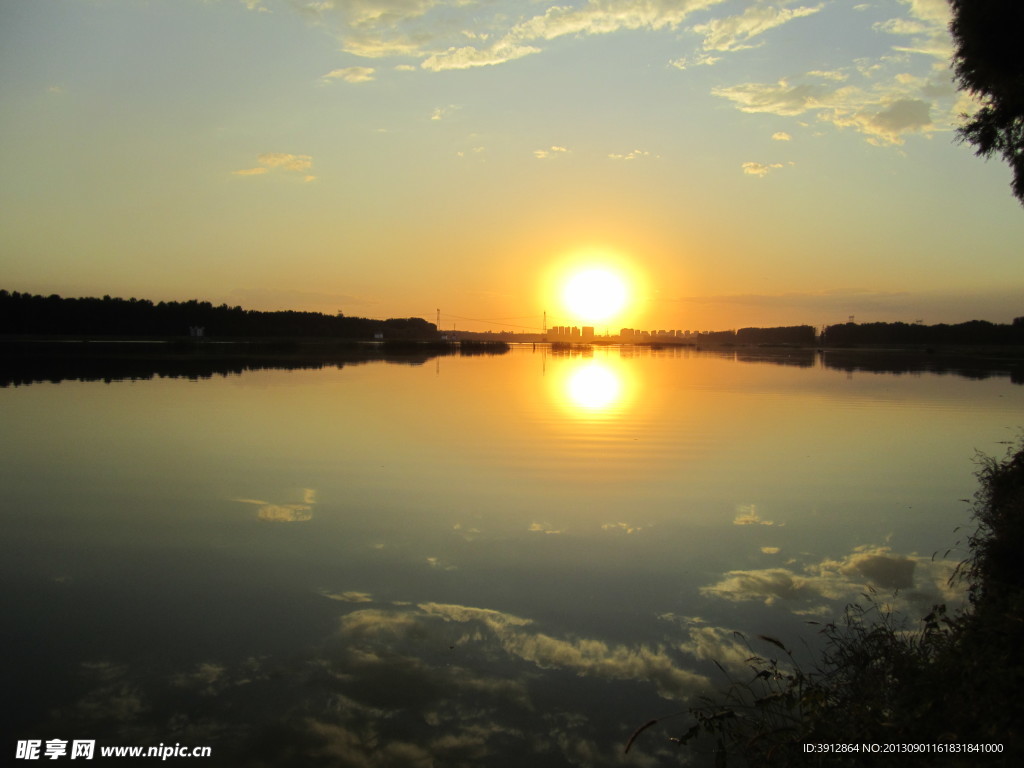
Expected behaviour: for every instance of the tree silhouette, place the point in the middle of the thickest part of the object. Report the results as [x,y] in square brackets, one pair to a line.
[988,65]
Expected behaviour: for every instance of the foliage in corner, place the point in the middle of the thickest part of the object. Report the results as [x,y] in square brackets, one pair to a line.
[988,65]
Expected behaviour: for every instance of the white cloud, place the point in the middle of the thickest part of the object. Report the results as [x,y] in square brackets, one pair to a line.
[279,160]
[733,33]
[927,26]
[829,74]
[432,30]
[286,161]
[700,60]
[350,75]
[468,56]
[477,152]
[752,168]
[781,136]
[779,98]
[440,113]
[634,155]
[544,154]
[600,17]
[884,114]
[895,94]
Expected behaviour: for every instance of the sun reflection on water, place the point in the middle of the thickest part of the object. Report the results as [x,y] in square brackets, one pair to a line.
[594,388]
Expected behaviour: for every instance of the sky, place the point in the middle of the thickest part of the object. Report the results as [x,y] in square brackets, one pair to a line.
[742,162]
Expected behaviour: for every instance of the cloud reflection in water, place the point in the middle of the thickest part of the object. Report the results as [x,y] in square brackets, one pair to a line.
[920,581]
[285,513]
[459,685]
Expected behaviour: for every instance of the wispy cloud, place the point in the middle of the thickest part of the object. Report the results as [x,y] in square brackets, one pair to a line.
[885,114]
[734,33]
[469,56]
[636,154]
[286,161]
[477,152]
[698,60]
[752,168]
[544,154]
[350,75]
[279,160]
[456,34]
[442,113]
[927,27]
[889,102]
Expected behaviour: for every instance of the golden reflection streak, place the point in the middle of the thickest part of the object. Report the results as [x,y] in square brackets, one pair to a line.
[594,388]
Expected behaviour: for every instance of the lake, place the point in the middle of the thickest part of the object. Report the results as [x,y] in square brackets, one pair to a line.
[463,561]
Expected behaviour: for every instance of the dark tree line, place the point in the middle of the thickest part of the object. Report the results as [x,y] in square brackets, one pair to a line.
[23,313]
[789,334]
[794,334]
[971,333]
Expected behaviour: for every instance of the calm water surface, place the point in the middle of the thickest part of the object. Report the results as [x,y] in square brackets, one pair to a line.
[474,561]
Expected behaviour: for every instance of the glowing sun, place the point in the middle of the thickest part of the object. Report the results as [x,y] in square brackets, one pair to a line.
[595,295]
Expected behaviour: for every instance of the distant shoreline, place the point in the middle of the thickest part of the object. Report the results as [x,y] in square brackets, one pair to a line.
[215,346]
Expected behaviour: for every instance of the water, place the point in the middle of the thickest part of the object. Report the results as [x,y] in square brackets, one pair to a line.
[510,560]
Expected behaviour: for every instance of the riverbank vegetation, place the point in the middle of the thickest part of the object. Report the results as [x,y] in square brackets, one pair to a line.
[27,314]
[27,361]
[24,314]
[948,690]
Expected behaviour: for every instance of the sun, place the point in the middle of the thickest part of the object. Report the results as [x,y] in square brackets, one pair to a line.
[595,294]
